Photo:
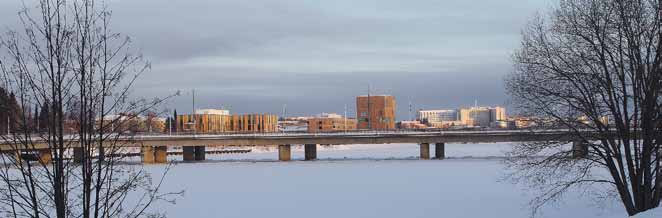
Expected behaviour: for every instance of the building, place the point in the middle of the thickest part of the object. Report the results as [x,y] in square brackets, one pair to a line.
[329,115]
[215,123]
[129,123]
[330,123]
[293,126]
[446,124]
[415,124]
[375,112]
[482,116]
[437,116]
[212,111]
[497,114]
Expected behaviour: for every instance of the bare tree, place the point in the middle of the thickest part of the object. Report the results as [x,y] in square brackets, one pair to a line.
[66,59]
[593,66]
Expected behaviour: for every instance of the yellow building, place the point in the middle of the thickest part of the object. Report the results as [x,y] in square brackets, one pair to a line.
[330,124]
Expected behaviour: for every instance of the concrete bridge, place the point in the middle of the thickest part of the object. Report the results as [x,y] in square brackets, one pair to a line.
[154,147]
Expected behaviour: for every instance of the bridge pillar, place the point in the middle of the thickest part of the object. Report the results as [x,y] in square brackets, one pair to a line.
[200,153]
[78,154]
[161,154]
[284,152]
[425,151]
[310,151]
[189,153]
[579,149]
[147,154]
[440,151]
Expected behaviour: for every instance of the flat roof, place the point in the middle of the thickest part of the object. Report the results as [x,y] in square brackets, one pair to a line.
[375,96]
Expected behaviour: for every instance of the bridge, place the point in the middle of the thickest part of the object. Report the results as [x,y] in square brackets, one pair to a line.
[154,147]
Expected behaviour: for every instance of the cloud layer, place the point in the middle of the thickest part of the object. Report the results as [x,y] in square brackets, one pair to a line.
[315,56]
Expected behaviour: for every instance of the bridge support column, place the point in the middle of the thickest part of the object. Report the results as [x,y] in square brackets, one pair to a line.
[310,151]
[579,149]
[188,153]
[45,156]
[284,152]
[78,154]
[425,151]
[439,151]
[200,153]
[161,154]
[147,154]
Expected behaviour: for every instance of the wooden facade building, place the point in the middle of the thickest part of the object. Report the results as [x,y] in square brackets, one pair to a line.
[215,123]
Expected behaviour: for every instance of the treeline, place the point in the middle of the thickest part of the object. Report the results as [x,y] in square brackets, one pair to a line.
[14,118]
[36,119]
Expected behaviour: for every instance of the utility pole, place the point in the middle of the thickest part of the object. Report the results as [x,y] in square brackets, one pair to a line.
[282,127]
[195,120]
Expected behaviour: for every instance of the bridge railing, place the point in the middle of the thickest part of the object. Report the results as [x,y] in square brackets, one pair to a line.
[346,133]
[352,133]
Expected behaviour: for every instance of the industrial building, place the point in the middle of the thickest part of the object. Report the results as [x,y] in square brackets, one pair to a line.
[375,112]
[411,124]
[330,123]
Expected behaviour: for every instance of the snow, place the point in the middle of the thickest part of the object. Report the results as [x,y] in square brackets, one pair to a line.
[657,213]
[360,181]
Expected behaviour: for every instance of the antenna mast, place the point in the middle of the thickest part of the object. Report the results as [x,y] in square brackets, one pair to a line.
[195,117]
[284,111]
[369,108]
[410,108]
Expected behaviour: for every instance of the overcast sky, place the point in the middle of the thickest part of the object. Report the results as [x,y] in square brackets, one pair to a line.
[316,56]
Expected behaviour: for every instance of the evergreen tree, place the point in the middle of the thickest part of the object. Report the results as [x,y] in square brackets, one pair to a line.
[174,118]
[35,119]
[4,110]
[44,116]
[15,113]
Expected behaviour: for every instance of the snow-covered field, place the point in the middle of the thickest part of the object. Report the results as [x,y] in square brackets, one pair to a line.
[360,181]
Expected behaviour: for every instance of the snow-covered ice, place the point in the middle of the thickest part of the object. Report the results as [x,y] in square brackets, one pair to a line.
[360,181]
[654,213]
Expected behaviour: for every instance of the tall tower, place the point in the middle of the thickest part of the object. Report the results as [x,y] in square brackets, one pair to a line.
[375,112]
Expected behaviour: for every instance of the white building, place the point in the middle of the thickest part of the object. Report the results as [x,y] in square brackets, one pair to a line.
[482,116]
[497,114]
[212,111]
[437,116]
[329,115]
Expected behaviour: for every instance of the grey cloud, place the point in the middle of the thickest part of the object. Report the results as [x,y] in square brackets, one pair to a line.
[315,56]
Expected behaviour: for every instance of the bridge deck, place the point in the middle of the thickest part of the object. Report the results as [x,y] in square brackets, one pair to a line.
[370,137]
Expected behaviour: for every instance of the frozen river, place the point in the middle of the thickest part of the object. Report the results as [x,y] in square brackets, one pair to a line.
[360,181]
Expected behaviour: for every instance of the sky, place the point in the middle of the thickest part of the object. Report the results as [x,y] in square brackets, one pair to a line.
[317,56]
